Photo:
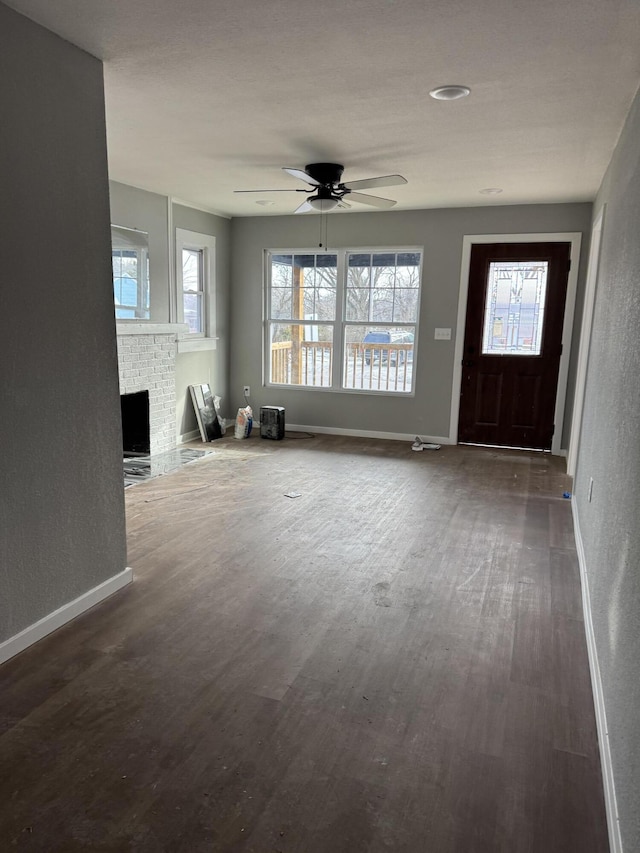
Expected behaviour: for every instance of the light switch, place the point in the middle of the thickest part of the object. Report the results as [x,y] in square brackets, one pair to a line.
[442,335]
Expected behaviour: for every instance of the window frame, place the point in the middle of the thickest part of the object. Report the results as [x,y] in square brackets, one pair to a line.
[340,323]
[200,292]
[136,242]
[205,244]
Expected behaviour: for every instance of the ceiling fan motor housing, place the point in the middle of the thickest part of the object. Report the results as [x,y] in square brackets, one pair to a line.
[325,173]
[328,192]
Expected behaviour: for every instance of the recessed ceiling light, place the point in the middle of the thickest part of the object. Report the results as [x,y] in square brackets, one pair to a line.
[264,202]
[491,190]
[449,93]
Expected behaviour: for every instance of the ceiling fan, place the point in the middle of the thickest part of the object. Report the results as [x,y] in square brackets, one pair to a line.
[328,190]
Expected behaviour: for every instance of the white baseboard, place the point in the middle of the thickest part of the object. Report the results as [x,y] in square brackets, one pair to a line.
[194,435]
[613,821]
[62,615]
[366,433]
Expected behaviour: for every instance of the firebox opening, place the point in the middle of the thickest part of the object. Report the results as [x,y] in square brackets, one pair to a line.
[136,437]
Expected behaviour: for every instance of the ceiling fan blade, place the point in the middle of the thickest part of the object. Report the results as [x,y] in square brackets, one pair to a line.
[343,204]
[271,191]
[382,181]
[305,207]
[373,200]
[298,173]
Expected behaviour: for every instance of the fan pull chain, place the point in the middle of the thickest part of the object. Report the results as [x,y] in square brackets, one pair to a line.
[323,227]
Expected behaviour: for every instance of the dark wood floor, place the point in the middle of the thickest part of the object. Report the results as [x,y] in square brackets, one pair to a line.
[393,661]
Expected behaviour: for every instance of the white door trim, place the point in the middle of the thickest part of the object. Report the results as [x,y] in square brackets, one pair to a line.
[585,340]
[573,237]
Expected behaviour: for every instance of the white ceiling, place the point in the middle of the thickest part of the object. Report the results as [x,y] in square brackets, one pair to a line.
[207,97]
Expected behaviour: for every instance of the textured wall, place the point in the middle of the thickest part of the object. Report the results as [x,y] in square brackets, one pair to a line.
[61,499]
[610,454]
[440,232]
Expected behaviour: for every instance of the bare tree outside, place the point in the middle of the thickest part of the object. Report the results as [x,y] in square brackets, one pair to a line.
[381,292]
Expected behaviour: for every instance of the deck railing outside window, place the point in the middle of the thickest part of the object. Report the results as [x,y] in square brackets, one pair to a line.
[371,366]
[343,320]
[304,363]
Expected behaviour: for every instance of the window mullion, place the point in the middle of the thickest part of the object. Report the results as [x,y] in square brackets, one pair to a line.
[202,293]
[371,289]
[266,313]
[339,328]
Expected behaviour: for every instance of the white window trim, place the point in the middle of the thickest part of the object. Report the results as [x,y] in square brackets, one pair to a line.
[340,323]
[206,243]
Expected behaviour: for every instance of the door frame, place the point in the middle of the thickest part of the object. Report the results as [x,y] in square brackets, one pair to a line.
[585,338]
[469,240]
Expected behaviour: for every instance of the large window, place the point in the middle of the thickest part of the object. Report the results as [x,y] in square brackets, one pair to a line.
[346,319]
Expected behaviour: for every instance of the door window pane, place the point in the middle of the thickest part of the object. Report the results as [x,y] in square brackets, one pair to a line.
[514,308]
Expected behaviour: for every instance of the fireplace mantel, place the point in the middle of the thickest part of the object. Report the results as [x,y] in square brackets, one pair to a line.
[151,329]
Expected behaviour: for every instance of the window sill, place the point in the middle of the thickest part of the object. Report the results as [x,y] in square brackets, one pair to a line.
[325,389]
[186,344]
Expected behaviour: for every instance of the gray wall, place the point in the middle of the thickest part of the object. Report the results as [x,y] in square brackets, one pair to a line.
[135,208]
[610,453]
[212,366]
[61,502]
[440,233]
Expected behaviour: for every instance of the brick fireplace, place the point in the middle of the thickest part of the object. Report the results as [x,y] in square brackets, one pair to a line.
[147,362]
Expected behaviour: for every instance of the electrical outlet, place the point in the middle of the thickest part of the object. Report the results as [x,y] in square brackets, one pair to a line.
[590,489]
[247,391]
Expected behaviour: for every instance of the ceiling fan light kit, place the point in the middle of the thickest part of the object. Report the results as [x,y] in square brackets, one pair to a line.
[329,191]
[323,205]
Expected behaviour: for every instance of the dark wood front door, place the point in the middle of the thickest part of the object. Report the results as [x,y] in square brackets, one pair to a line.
[513,343]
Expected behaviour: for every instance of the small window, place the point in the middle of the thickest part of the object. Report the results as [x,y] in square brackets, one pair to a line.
[195,289]
[130,264]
